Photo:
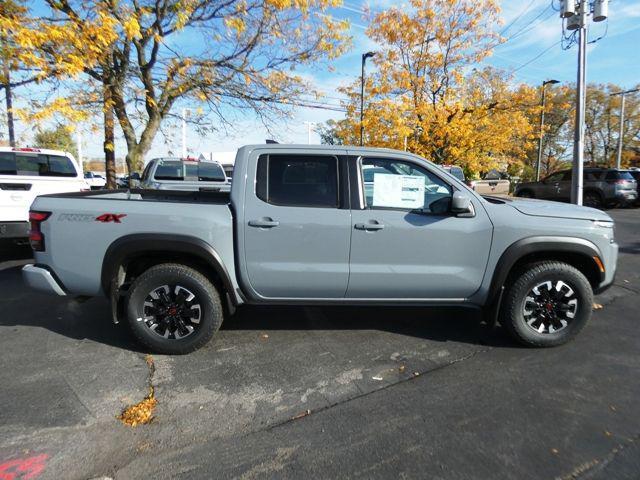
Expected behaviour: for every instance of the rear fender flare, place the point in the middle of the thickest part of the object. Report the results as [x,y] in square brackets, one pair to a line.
[131,246]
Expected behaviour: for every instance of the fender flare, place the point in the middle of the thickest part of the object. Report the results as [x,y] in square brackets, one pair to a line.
[130,246]
[538,244]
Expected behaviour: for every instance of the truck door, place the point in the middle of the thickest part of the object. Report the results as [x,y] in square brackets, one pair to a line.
[406,244]
[297,226]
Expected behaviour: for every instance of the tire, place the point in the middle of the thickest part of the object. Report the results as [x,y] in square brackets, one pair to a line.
[181,302]
[539,323]
[525,194]
[592,199]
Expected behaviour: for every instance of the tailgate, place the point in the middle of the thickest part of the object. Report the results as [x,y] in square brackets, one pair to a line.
[18,193]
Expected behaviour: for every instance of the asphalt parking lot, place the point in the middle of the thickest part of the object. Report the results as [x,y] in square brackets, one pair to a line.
[322,392]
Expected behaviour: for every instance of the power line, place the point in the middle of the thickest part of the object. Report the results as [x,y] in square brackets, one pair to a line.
[517,17]
[530,27]
[535,58]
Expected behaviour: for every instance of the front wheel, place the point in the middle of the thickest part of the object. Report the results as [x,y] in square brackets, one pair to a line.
[547,304]
[173,309]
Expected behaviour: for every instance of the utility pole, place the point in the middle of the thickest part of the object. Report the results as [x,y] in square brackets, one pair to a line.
[184,133]
[364,60]
[9,101]
[576,13]
[309,129]
[542,104]
[621,128]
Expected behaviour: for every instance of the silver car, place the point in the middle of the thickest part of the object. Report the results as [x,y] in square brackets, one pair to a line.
[184,174]
[603,187]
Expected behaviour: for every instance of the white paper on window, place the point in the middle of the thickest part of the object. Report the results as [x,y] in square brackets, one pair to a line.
[398,191]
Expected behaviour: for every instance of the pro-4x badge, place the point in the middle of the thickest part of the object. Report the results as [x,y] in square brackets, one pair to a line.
[111,217]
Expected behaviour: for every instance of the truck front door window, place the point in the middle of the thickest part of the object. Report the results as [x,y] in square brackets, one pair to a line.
[398,184]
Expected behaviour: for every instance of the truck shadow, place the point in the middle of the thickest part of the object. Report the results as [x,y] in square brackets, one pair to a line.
[91,319]
[440,324]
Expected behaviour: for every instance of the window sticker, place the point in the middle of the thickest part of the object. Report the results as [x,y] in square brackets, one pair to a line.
[398,191]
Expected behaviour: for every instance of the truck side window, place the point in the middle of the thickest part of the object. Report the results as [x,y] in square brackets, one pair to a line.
[398,184]
[298,180]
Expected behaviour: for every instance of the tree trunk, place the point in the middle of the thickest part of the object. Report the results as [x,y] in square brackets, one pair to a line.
[7,89]
[109,139]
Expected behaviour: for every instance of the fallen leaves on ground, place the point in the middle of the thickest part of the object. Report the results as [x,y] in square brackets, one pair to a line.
[597,306]
[142,412]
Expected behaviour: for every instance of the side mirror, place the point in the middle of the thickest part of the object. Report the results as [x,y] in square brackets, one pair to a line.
[135,176]
[461,205]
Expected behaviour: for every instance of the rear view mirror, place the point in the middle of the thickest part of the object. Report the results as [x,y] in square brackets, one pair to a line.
[461,205]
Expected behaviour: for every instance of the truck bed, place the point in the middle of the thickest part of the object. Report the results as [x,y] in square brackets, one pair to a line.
[171,196]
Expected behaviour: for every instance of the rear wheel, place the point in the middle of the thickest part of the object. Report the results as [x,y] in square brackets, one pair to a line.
[547,304]
[592,199]
[173,309]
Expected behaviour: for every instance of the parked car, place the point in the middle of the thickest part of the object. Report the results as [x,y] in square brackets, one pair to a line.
[603,187]
[129,181]
[95,180]
[635,173]
[26,173]
[455,171]
[297,228]
[184,174]
[494,183]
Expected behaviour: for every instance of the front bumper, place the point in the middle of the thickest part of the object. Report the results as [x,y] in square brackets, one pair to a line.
[14,230]
[611,264]
[39,278]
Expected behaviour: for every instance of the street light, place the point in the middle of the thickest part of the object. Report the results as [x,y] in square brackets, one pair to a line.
[542,104]
[364,60]
[621,131]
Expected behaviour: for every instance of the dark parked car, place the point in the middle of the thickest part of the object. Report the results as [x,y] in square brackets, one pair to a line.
[603,187]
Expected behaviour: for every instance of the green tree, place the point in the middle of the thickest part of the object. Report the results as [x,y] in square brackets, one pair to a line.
[58,138]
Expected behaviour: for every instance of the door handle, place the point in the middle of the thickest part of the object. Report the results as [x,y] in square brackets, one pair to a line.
[369,226]
[266,222]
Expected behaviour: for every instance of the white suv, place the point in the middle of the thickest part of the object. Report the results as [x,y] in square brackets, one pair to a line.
[26,173]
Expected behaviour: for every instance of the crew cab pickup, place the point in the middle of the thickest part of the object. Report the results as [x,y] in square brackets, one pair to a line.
[301,225]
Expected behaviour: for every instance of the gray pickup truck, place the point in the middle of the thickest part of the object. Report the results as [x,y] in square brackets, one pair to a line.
[301,226]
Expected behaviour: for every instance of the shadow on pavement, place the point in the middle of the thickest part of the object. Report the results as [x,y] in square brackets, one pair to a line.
[91,319]
[440,324]
[632,248]
[67,316]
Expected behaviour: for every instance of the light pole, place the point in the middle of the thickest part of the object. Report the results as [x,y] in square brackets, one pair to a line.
[621,130]
[576,13]
[364,60]
[542,104]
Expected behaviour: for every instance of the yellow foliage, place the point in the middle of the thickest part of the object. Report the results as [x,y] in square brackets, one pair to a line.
[424,97]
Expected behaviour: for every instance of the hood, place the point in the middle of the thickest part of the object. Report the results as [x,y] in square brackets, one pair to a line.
[543,208]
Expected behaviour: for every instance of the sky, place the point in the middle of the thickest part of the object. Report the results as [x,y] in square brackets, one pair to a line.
[532,53]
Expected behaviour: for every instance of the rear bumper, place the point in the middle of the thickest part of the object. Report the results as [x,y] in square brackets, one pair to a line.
[626,196]
[14,230]
[39,278]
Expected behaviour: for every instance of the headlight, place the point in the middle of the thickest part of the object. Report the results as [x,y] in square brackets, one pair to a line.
[603,223]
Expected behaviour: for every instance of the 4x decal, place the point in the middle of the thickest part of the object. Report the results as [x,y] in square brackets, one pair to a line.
[111,217]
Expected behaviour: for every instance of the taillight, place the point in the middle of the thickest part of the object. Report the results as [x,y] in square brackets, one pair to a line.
[36,238]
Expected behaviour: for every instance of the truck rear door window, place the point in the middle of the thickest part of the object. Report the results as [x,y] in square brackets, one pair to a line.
[298,180]
[37,165]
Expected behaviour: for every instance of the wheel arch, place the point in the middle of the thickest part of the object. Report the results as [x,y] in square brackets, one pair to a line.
[130,255]
[577,252]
